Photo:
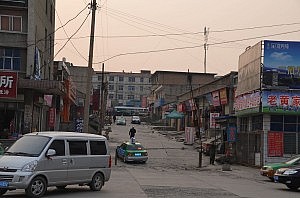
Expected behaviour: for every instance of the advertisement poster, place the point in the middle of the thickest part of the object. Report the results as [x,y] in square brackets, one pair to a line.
[231,134]
[215,98]
[212,120]
[281,66]
[275,144]
[281,102]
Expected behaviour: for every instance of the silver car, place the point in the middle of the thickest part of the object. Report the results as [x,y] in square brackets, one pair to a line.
[42,159]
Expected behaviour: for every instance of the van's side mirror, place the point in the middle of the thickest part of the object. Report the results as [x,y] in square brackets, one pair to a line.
[50,152]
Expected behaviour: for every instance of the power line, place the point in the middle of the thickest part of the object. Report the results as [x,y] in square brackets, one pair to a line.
[73,34]
[69,38]
[196,46]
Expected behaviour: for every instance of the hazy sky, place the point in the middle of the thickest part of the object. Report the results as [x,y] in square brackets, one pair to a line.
[134,35]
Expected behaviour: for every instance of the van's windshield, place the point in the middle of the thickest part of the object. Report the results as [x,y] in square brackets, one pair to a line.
[30,146]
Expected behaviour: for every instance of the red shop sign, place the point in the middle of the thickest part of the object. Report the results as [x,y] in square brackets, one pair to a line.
[275,144]
[8,84]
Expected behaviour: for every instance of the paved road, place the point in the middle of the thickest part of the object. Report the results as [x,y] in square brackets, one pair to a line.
[172,171]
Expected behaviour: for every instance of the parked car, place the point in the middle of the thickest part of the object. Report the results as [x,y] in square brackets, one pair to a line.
[135,120]
[42,159]
[132,152]
[288,176]
[269,169]
[121,120]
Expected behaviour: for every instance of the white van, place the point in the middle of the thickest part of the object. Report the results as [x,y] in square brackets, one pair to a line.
[41,159]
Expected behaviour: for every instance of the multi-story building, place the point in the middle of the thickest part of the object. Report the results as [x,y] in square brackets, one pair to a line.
[125,88]
[268,102]
[167,85]
[29,97]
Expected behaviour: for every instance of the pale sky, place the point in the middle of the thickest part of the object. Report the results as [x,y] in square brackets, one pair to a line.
[170,32]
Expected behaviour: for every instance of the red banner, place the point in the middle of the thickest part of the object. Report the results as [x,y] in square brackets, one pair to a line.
[8,84]
[52,117]
[275,144]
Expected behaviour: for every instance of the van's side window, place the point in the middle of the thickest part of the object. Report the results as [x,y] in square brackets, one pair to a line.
[78,147]
[59,147]
[98,148]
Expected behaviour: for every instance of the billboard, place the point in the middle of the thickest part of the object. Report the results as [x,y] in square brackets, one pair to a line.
[249,70]
[283,102]
[281,65]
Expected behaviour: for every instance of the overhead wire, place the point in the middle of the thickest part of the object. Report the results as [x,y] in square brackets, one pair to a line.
[69,37]
[197,46]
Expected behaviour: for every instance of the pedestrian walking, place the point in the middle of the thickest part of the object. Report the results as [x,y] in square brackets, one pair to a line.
[132,132]
[212,154]
[114,118]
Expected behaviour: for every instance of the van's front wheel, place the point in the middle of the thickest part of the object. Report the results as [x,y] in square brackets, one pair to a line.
[36,188]
[97,182]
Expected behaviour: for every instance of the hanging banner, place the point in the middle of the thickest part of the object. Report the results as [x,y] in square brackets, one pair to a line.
[223,96]
[52,117]
[215,98]
[8,84]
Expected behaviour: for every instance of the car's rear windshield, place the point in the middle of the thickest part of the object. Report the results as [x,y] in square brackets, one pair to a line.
[31,146]
[135,147]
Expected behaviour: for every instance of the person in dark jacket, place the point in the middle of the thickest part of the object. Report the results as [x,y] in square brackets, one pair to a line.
[132,132]
[212,154]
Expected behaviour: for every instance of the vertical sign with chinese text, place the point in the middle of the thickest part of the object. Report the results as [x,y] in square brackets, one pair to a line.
[231,134]
[275,144]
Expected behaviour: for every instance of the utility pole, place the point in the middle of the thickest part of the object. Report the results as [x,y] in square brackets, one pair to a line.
[90,69]
[206,32]
[102,102]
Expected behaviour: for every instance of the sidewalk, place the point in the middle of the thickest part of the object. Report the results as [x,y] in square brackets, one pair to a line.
[234,169]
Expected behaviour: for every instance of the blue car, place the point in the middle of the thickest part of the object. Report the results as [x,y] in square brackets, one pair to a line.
[132,152]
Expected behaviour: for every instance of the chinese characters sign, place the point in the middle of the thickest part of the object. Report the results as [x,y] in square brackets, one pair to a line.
[8,84]
[247,103]
[281,102]
[275,144]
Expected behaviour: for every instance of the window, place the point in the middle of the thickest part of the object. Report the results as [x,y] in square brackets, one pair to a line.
[111,87]
[111,78]
[99,78]
[130,97]
[121,78]
[290,123]
[59,147]
[120,97]
[11,23]
[257,123]
[98,148]
[111,96]
[121,87]
[289,143]
[141,88]
[131,79]
[141,79]
[244,124]
[276,123]
[77,148]
[10,58]
[131,88]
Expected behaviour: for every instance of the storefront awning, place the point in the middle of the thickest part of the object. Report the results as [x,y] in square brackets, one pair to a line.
[44,86]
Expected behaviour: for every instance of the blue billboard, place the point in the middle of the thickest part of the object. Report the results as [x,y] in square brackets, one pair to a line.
[281,65]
